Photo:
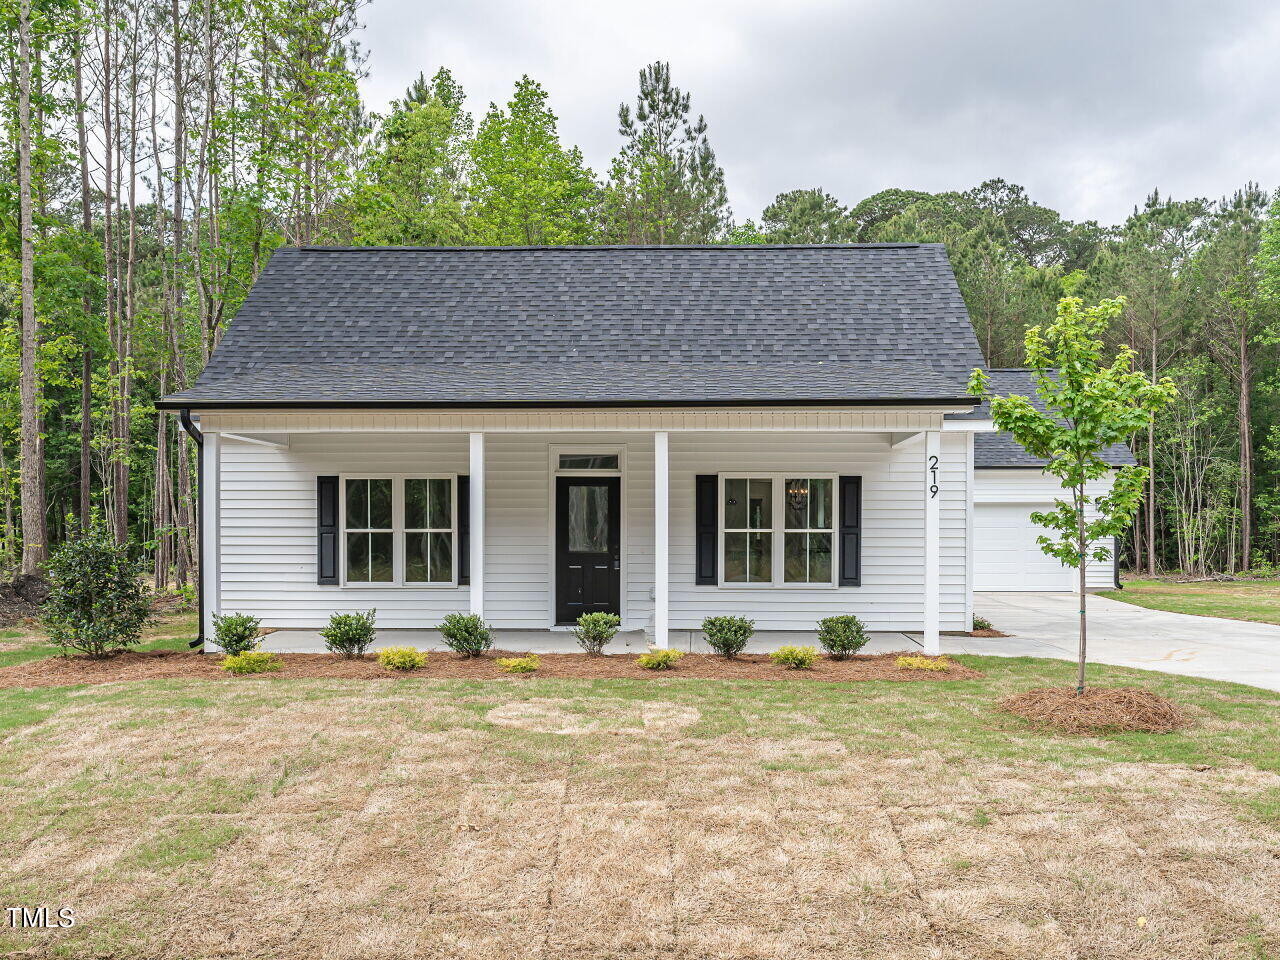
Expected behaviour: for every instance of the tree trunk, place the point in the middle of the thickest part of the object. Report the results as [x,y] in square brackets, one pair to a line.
[1245,414]
[86,365]
[1151,476]
[1079,497]
[34,539]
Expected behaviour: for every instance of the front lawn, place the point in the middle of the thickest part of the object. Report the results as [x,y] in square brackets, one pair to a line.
[1257,600]
[663,817]
[167,632]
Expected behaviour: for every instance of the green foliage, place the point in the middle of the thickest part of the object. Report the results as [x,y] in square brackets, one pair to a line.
[1091,405]
[935,664]
[807,216]
[526,188]
[595,630]
[350,634]
[97,603]
[402,658]
[466,633]
[728,636]
[526,664]
[795,658]
[981,623]
[235,632]
[842,636]
[252,661]
[656,659]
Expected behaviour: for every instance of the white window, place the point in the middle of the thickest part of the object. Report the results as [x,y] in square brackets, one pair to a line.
[399,530]
[777,530]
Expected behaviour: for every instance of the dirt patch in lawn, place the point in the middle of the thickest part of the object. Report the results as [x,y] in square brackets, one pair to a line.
[1098,709]
[177,665]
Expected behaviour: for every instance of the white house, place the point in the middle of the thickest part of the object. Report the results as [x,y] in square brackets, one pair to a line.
[782,432]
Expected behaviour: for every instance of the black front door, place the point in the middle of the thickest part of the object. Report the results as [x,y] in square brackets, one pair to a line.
[588,546]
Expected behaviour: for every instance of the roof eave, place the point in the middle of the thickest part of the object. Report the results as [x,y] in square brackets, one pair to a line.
[188,403]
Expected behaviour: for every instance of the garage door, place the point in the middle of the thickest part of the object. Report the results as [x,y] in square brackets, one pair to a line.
[1006,555]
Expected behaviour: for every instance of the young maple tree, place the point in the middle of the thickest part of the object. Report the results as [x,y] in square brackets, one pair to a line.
[1089,406]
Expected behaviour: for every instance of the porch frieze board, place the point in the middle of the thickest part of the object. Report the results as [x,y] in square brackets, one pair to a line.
[566,421]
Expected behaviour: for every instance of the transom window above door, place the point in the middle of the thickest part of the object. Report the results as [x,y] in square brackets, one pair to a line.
[399,530]
[777,530]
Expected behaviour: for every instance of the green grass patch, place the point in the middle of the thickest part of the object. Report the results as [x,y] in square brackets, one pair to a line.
[1253,600]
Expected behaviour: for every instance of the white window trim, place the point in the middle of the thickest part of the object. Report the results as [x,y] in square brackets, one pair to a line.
[556,450]
[779,531]
[398,531]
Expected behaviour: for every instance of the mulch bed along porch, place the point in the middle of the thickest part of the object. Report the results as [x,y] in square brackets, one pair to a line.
[176,665]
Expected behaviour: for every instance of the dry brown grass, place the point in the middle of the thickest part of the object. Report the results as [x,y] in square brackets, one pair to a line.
[475,822]
[1098,709]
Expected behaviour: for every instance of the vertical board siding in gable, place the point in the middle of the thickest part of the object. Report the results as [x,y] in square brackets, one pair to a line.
[1024,486]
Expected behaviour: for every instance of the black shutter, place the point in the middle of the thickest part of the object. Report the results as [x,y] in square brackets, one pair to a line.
[326,529]
[850,531]
[705,501]
[464,530]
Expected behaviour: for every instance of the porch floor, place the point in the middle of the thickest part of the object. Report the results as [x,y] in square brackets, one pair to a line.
[562,641]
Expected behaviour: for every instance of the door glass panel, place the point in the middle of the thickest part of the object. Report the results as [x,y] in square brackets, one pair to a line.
[588,519]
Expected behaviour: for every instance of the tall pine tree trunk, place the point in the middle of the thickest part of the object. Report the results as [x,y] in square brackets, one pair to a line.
[86,364]
[1244,415]
[34,538]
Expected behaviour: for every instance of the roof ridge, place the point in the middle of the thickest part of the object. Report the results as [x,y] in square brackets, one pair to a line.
[728,247]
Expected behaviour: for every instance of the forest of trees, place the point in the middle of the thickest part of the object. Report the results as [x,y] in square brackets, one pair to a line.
[160,150]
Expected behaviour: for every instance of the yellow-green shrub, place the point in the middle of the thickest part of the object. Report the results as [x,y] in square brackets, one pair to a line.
[923,663]
[252,661]
[525,664]
[402,658]
[659,659]
[795,658]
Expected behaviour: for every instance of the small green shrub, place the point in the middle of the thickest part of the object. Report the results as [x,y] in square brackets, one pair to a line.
[923,663]
[659,659]
[349,634]
[97,601]
[728,636]
[466,633]
[235,633]
[795,658]
[982,623]
[525,664]
[595,630]
[402,658]
[252,661]
[841,636]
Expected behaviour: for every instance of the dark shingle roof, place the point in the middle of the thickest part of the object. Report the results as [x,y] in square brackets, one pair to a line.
[596,325]
[991,450]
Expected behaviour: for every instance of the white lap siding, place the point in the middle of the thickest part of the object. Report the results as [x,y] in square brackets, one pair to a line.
[267,527]
[891,596]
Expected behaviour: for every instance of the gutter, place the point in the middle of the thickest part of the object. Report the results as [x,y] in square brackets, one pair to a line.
[184,417]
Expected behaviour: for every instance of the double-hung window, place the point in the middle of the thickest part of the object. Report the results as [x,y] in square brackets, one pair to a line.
[399,530]
[777,530]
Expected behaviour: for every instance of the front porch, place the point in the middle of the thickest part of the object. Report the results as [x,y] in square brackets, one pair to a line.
[562,641]
[882,495]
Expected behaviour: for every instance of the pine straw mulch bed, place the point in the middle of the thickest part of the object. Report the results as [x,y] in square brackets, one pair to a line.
[987,633]
[1098,710]
[180,665]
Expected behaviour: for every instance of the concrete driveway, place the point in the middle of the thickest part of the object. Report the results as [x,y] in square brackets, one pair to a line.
[1045,625]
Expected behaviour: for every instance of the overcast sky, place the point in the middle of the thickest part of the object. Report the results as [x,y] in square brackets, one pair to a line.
[1089,103]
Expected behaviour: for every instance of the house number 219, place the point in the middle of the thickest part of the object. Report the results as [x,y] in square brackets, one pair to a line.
[933,477]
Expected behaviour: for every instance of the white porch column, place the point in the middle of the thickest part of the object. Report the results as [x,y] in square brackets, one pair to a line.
[661,514]
[932,498]
[477,524]
[209,532]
